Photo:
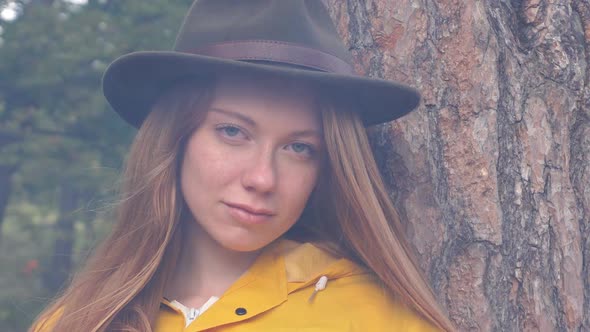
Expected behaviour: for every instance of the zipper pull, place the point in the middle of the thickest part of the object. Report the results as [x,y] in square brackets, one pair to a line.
[193,314]
[320,285]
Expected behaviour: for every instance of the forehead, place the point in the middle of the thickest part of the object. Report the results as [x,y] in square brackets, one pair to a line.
[260,93]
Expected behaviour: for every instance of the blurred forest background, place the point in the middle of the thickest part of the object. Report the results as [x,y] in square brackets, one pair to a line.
[61,147]
[491,175]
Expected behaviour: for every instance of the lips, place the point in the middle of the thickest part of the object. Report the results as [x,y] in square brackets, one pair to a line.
[247,214]
[250,209]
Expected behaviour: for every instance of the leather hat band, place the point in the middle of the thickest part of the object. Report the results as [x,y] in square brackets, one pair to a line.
[276,51]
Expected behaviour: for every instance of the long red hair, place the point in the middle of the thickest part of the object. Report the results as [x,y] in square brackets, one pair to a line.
[121,285]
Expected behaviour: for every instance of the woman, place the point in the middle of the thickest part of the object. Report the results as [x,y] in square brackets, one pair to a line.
[251,198]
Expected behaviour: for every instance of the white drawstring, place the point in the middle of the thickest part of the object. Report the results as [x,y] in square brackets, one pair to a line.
[320,285]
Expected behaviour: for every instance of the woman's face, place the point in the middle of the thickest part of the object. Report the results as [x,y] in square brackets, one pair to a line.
[250,167]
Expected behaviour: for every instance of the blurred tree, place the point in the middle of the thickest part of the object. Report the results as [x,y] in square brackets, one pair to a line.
[6,172]
[60,145]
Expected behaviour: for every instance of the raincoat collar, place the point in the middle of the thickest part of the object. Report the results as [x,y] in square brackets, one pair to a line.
[305,264]
[282,268]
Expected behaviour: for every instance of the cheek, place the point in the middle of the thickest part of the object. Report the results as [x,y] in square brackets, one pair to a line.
[207,165]
[204,172]
[297,189]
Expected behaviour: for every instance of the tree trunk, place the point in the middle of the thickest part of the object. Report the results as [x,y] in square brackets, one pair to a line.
[6,172]
[59,270]
[492,173]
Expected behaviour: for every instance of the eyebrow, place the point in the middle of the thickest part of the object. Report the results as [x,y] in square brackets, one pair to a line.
[304,133]
[250,121]
[237,115]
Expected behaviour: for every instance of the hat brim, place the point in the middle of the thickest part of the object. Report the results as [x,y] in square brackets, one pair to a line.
[132,83]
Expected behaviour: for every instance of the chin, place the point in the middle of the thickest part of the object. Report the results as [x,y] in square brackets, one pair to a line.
[243,245]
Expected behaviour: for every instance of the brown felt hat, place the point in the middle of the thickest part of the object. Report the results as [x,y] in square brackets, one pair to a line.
[291,38]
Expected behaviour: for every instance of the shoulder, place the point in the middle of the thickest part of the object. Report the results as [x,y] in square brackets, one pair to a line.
[375,308]
[354,298]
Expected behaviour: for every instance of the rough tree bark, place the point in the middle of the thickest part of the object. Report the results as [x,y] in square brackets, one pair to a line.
[492,173]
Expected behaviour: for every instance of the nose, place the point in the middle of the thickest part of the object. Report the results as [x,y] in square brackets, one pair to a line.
[260,173]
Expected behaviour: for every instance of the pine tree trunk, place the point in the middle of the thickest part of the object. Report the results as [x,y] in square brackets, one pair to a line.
[6,172]
[60,269]
[492,173]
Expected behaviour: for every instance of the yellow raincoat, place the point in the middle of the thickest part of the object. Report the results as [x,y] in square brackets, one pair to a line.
[274,295]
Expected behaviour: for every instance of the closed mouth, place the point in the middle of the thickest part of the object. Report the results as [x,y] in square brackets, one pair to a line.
[251,210]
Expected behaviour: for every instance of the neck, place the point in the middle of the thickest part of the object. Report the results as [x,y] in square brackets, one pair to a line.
[205,268]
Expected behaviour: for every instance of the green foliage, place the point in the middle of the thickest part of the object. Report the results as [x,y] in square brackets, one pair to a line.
[61,130]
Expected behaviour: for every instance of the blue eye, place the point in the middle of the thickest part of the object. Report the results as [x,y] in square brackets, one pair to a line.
[299,147]
[230,131]
[302,149]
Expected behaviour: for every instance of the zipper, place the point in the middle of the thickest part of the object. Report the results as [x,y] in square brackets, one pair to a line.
[192,315]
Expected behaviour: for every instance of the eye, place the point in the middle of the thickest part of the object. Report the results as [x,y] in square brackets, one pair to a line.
[302,149]
[230,131]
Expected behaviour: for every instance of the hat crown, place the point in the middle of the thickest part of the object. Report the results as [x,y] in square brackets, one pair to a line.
[302,22]
[294,39]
